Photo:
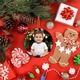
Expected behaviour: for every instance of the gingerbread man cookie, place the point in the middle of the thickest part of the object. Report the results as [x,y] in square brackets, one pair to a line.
[65,45]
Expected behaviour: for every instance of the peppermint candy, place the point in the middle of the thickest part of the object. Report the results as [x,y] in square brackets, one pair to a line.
[16,52]
[16,62]
[19,58]
[25,59]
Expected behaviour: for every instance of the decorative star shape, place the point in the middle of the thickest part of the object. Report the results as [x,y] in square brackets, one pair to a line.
[73,49]
[58,43]
[61,49]
[68,51]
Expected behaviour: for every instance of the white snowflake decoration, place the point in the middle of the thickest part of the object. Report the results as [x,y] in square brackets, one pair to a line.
[45,66]
[71,71]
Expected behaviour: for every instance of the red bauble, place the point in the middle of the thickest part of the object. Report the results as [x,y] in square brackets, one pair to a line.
[22,28]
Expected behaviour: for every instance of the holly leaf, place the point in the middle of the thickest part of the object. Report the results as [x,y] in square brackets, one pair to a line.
[77,59]
[26,44]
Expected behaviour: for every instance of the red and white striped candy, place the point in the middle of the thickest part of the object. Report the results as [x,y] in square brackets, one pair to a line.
[16,62]
[16,52]
[19,58]
[25,59]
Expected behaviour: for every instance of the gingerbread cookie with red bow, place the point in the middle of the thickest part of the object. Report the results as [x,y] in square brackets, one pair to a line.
[65,46]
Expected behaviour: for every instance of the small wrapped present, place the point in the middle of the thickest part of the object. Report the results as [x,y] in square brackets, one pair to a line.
[6,73]
[21,77]
[66,14]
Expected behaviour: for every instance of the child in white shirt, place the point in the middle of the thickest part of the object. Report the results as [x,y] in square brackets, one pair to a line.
[39,48]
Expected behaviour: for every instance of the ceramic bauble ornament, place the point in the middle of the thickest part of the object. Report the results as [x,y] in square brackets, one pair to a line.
[65,76]
[50,25]
[78,23]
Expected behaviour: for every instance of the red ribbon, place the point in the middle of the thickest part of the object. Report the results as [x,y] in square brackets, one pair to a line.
[67,40]
[67,13]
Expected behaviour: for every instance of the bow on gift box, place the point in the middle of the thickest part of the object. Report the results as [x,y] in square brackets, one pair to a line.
[19,58]
[67,40]
[67,13]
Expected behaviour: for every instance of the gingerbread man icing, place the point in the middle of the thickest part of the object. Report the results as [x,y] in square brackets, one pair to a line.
[65,45]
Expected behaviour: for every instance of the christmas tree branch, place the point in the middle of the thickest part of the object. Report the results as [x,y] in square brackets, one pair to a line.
[42,12]
[28,7]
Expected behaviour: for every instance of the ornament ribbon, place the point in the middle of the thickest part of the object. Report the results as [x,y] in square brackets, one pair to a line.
[67,40]
[67,13]
[19,58]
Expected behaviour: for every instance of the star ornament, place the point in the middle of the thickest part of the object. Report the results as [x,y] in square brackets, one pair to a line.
[58,43]
[61,49]
[68,51]
[73,49]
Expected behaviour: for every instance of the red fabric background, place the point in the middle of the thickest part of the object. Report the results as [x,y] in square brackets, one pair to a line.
[19,39]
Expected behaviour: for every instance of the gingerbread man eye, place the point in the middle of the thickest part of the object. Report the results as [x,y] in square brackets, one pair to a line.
[70,33]
[73,34]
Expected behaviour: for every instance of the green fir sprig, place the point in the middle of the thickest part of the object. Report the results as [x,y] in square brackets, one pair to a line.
[28,7]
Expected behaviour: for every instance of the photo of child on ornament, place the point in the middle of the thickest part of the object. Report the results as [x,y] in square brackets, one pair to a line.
[39,48]
[38,42]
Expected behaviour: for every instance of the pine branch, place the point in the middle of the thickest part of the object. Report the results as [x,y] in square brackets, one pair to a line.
[42,12]
[2,56]
[61,0]
[3,4]
[28,7]
[53,1]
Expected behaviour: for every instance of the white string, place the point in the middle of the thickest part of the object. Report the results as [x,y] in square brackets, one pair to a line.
[76,74]
[38,22]
[60,74]
[53,70]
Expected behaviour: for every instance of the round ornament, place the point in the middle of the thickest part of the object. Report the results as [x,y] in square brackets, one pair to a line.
[65,76]
[22,28]
[78,23]
[32,42]
[50,25]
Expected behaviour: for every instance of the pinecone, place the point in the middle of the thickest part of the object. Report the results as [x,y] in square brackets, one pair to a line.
[3,41]
[23,18]
[8,22]
[44,2]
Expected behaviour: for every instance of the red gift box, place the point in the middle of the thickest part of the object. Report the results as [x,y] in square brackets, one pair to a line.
[21,77]
[6,73]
